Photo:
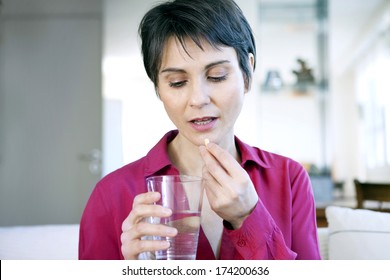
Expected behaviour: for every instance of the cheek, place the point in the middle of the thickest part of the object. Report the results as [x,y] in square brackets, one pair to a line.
[234,100]
[234,93]
[172,108]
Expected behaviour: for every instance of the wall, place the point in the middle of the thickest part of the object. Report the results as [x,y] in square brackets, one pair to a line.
[350,43]
[125,82]
[290,120]
[50,109]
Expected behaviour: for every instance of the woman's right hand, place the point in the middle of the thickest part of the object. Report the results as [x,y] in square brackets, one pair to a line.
[134,227]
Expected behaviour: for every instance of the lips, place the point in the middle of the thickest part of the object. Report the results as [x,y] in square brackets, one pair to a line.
[204,123]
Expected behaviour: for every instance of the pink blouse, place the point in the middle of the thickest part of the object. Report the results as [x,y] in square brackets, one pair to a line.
[282,225]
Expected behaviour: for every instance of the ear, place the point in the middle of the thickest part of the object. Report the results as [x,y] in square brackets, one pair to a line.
[248,82]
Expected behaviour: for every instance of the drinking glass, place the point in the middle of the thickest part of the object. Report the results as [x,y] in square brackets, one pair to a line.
[183,195]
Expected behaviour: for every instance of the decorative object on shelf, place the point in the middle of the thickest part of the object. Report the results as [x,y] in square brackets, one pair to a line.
[304,76]
[273,80]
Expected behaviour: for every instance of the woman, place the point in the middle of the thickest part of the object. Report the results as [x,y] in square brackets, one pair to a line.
[200,55]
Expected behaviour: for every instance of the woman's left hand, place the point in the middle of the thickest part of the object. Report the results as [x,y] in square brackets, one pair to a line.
[228,187]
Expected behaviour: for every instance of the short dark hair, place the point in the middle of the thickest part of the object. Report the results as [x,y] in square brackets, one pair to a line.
[219,22]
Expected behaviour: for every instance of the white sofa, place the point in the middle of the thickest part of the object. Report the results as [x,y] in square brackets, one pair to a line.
[352,234]
[46,242]
[355,234]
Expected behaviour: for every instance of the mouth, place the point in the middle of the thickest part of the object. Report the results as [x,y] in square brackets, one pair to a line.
[203,124]
[203,121]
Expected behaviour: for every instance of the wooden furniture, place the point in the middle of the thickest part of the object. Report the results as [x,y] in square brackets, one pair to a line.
[321,218]
[379,192]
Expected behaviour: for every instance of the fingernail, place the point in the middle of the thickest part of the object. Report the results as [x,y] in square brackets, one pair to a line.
[171,231]
[166,244]
[155,195]
[167,211]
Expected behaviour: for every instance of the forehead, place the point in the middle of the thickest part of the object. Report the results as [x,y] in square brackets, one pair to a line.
[188,51]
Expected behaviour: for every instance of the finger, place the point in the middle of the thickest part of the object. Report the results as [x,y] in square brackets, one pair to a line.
[146,198]
[143,207]
[139,212]
[214,167]
[147,229]
[132,248]
[225,159]
[151,245]
[211,185]
[217,195]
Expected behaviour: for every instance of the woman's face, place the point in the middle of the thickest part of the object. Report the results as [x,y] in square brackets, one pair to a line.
[202,90]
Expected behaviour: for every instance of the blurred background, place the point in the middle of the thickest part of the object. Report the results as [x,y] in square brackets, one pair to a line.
[75,101]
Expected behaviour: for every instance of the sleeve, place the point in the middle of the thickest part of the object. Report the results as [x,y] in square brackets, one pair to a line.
[98,238]
[259,238]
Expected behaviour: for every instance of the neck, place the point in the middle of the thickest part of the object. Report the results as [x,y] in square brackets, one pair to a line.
[185,156]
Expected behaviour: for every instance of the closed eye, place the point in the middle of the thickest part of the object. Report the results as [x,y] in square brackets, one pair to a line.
[217,79]
[177,84]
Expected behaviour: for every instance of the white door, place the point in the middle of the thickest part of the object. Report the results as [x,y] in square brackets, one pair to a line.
[50,114]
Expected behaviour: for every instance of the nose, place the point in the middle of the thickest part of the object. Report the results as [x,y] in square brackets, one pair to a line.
[199,95]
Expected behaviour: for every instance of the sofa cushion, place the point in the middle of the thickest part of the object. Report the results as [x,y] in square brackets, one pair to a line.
[46,242]
[323,237]
[358,234]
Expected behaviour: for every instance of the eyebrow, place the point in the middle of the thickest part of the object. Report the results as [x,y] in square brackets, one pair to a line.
[208,66]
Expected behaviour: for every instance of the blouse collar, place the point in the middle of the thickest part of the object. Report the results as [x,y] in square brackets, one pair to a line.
[158,159]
